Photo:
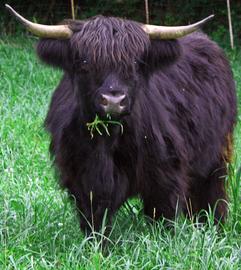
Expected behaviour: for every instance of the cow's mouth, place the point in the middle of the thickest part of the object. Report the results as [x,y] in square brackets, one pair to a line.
[103,126]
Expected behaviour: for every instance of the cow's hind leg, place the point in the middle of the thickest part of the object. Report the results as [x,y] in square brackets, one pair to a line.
[211,193]
[162,204]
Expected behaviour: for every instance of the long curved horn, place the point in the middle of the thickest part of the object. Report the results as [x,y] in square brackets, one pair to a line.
[173,32]
[40,30]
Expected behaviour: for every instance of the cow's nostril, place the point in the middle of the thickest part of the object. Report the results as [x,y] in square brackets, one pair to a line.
[103,101]
[123,101]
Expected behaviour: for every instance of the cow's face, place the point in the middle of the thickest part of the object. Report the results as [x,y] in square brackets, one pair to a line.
[106,92]
[108,60]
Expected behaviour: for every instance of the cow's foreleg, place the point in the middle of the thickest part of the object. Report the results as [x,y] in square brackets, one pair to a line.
[102,189]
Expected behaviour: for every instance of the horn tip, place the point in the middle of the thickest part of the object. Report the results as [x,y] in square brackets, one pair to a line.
[10,9]
[211,16]
[7,6]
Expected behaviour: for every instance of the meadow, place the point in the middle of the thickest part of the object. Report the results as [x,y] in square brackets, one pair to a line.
[38,224]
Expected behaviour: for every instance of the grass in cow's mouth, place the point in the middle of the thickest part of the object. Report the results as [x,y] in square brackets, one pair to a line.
[99,125]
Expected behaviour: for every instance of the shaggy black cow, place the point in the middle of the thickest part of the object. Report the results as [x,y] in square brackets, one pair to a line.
[170,106]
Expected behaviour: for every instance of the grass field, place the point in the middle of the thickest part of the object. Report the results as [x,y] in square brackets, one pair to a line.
[38,226]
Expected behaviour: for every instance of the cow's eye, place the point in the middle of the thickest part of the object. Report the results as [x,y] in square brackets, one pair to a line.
[138,62]
[83,66]
[137,65]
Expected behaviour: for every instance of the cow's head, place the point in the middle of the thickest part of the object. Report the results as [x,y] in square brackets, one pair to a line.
[108,58]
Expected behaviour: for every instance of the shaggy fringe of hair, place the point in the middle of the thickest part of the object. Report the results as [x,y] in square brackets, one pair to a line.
[122,42]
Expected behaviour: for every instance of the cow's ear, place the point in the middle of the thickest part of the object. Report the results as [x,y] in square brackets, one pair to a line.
[162,53]
[55,52]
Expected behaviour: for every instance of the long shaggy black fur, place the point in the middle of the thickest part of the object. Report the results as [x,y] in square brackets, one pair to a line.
[173,150]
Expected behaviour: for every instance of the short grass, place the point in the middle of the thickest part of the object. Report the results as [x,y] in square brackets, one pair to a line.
[38,226]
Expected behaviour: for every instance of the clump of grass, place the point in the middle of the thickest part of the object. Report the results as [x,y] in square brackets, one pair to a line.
[235,192]
[102,124]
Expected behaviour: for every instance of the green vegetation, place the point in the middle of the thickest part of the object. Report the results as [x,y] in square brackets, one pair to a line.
[38,226]
[102,124]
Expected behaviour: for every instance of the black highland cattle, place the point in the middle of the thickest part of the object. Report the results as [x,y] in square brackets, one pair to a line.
[174,95]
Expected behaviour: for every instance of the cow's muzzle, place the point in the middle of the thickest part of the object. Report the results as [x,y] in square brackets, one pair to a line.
[114,104]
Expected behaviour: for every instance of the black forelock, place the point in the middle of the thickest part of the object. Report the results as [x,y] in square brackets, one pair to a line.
[109,42]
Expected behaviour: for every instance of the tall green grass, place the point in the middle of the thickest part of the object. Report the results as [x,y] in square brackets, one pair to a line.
[38,226]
